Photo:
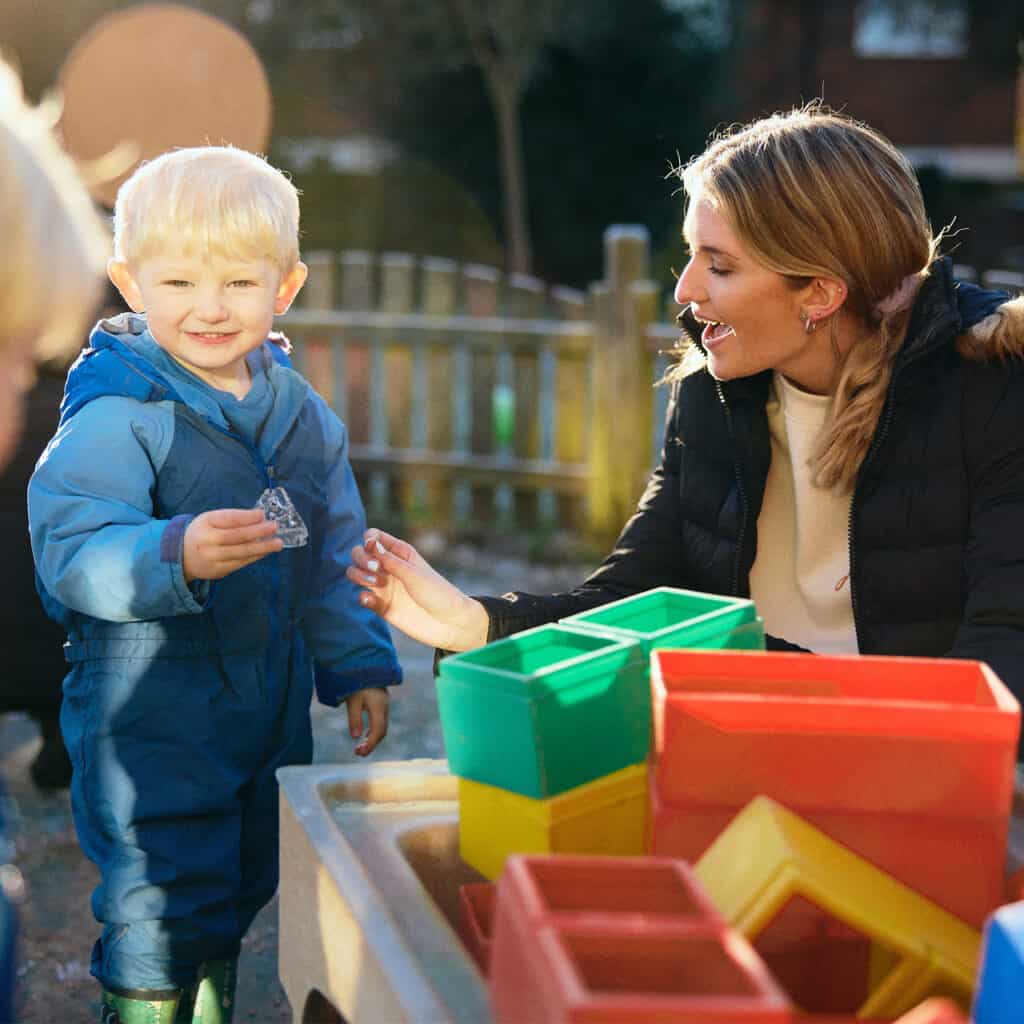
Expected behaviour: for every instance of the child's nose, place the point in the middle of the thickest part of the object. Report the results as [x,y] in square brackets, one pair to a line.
[210,306]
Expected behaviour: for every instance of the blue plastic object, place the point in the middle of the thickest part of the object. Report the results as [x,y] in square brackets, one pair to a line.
[999,997]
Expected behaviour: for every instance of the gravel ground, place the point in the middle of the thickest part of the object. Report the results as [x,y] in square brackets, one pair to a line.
[56,927]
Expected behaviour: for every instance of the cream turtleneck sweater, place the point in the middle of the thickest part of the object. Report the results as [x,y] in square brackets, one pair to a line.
[800,577]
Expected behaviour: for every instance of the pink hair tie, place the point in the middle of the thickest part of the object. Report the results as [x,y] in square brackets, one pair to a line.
[901,297]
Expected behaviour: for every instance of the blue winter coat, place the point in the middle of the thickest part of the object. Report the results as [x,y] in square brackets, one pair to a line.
[134,459]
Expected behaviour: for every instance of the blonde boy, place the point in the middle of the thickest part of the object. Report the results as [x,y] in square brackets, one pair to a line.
[191,522]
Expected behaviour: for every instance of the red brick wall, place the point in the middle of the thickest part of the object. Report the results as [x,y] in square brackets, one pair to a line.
[933,102]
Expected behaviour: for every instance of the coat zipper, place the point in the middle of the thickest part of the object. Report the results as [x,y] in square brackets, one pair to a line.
[744,503]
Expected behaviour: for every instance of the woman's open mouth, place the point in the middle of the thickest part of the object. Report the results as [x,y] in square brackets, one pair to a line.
[714,333]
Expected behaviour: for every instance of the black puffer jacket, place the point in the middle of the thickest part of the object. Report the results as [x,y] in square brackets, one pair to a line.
[937,517]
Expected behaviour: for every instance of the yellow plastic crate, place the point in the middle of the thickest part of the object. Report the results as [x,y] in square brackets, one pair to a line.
[767,856]
[606,816]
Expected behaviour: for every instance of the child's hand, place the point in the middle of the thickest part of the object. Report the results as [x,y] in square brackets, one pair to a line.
[374,702]
[225,539]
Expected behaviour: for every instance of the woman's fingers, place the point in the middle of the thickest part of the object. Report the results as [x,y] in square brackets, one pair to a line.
[378,542]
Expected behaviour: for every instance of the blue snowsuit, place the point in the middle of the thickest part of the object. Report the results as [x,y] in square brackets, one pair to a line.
[182,700]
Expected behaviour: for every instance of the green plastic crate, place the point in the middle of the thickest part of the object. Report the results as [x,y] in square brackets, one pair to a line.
[545,710]
[670,617]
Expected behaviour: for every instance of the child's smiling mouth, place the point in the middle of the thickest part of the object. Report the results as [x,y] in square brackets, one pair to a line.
[213,337]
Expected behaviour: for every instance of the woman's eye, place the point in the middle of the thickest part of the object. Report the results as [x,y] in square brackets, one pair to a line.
[718,272]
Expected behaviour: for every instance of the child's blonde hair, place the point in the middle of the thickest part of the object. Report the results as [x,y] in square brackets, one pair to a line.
[208,200]
[55,244]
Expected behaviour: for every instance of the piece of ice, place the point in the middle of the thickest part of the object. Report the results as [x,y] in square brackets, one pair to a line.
[278,508]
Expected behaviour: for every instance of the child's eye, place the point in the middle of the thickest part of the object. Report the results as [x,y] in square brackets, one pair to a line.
[243,284]
[177,284]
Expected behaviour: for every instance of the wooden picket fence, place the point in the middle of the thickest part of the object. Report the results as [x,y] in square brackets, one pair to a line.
[472,397]
[475,397]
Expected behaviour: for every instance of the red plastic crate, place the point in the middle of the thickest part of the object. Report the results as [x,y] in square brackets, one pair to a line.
[654,891]
[476,920]
[611,940]
[589,973]
[908,761]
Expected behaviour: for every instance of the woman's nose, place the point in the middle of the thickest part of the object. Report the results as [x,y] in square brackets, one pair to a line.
[685,291]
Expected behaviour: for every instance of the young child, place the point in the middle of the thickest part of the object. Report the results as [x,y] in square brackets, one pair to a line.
[196,625]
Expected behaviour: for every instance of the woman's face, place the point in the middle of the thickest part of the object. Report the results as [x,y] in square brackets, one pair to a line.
[751,314]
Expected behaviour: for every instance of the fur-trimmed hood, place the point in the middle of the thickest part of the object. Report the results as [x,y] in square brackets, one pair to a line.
[1000,335]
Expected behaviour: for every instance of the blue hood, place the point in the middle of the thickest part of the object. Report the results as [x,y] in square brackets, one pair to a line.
[123,359]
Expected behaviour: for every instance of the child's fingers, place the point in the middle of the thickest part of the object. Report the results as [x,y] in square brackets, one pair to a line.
[228,518]
[377,731]
[355,717]
[240,556]
[237,535]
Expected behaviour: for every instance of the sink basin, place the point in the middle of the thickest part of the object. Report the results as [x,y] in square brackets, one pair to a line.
[370,877]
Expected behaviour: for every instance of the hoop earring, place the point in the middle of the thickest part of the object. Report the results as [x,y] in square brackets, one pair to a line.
[810,324]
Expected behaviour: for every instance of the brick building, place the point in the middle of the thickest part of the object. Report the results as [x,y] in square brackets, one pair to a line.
[936,76]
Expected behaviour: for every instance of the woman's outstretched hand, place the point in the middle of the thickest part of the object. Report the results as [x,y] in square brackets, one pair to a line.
[401,587]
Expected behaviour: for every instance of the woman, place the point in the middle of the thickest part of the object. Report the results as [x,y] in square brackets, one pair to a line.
[845,438]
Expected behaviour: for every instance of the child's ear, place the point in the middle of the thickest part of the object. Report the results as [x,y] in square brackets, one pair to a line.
[121,276]
[290,286]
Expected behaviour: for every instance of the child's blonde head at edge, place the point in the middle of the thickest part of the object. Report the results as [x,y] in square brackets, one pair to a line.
[55,244]
[208,201]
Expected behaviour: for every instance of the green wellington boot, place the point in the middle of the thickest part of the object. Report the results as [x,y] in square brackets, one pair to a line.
[139,1007]
[215,998]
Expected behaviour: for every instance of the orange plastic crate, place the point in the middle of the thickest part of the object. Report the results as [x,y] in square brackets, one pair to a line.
[908,761]
[957,863]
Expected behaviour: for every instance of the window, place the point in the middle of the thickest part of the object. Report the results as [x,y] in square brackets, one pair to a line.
[910,28]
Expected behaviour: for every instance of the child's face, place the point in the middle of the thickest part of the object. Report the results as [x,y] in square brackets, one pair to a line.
[208,312]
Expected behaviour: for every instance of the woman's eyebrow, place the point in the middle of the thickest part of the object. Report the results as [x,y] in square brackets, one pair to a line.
[712,251]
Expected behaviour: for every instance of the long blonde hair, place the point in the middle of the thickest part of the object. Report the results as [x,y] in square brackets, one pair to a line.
[812,193]
[54,241]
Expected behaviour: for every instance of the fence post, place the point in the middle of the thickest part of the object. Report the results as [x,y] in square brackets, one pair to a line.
[623,304]
[318,291]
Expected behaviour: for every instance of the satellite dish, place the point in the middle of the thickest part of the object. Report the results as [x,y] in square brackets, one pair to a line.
[157,77]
